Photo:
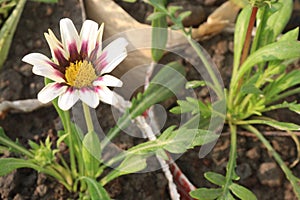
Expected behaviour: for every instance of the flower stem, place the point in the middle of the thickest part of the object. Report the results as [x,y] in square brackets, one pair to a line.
[232,160]
[248,35]
[71,145]
[247,42]
[88,118]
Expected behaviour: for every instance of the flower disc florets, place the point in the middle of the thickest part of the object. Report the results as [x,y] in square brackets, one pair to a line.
[79,66]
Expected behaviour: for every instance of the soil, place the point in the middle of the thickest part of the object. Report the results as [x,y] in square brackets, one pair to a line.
[258,171]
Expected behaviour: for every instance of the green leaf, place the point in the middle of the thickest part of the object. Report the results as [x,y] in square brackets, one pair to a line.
[166,83]
[250,89]
[172,9]
[203,137]
[91,152]
[206,193]
[96,190]
[159,34]
[156,16]
[13,146]
[132,163]
[279,19]
[281,84]
[240,35]
[242,192]
[92,144]
[215,178]
[158,4]
[281,50]
[292,106]
[180,140]
[271,22]
[8,29]
[2,134]
[184,14]
[295,108]
[8,165]
[190,105]
[291,35]
[285,126]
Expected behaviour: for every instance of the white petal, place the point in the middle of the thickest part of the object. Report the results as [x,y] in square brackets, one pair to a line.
[69,33]
[89,97]
[37,59]
[108,80]
[50,92]
[106,95]
[68,99]
[55,45]
[88,34]
[113,63]
[99,37]
[115,54]
[48,72]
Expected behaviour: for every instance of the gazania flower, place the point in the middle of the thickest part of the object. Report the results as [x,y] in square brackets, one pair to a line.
[79,66]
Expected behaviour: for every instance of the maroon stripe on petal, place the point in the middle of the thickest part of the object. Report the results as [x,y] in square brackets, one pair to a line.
[101,62]
[63,62]
[57,67]
[84,49]
[70,89]
[93,55]
[74,55]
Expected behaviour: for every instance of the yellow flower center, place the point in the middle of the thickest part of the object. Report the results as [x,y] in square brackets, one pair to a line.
[80,74]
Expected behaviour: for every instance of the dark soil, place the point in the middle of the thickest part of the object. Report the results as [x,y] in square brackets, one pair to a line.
[258,171]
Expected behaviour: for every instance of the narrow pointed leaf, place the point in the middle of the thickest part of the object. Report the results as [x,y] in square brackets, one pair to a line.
[8,29]
[281,50]
[295,108]
[8,165]
[131,164]
[239,36]
[156,16]
[291,35]
[280,18]
[159,34]
[96,190]
[285,126]
[91,152]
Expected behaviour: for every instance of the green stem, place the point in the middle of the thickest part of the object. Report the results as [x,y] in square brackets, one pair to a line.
[88,118]
[289,175]
[65,172]
[255,44]
[71,143]
[232,160]
[236,84]
[248,35]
